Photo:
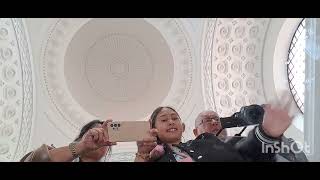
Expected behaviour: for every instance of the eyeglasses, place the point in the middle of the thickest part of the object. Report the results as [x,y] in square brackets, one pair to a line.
[211,120]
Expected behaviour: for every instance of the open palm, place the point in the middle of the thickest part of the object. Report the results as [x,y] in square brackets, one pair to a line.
[277,118]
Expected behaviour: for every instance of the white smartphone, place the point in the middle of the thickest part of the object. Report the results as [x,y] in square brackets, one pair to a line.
[126,131]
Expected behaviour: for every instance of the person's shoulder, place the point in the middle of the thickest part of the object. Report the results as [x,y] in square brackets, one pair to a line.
[207,136]
[39,154]
[233,139]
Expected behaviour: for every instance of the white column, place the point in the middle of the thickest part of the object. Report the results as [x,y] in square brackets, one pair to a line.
[312,91]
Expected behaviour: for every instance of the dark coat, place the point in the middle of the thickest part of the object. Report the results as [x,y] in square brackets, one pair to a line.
[289,155]
[208,148]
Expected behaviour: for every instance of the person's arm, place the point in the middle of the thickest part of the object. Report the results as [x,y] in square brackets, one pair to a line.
[92,140]
[46,153]
[264,141]
[64,154]
[146,146]
[258,146]
[141,157]
[40,154]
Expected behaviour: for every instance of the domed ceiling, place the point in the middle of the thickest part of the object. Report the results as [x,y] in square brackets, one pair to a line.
[118,67]
[114,68]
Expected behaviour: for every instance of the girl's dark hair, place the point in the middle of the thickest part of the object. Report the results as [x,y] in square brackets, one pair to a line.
[86,128]
[155,113]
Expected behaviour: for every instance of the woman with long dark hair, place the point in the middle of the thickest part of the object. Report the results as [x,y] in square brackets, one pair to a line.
[91,145]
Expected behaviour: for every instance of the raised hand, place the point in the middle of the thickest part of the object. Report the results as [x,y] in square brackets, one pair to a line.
[95,138]
[147,144]
[278,116]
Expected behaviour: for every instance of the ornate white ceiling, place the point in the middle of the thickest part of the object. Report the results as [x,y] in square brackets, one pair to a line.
[124,68]
[119,68]
[16,90]
[232,64]
[232,58]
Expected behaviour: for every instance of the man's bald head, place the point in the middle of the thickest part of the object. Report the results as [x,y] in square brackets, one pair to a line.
[208,122]
[206,115]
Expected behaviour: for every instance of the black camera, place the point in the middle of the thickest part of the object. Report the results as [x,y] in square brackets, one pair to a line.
[248,115]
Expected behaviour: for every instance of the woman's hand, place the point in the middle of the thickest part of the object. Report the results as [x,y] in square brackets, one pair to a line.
[157,152]
[147,145]
[94,139]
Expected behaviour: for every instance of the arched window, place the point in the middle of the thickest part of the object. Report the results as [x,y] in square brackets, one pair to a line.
[296,65]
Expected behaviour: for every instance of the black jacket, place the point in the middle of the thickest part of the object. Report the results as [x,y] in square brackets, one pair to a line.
[208,148]
[288,155]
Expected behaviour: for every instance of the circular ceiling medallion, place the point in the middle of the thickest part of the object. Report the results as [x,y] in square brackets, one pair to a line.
[116,68]
[119,68]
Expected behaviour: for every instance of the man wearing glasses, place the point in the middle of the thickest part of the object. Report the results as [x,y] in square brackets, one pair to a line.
[209,122]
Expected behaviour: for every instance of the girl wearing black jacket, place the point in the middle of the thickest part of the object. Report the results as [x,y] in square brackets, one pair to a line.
[164,143]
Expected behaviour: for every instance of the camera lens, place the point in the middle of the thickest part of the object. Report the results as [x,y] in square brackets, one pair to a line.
[111,125]
[118,125]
